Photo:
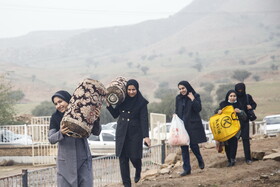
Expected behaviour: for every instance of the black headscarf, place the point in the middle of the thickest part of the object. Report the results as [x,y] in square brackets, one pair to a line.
[62,94]
[226,103]
[188,87]
[133,103]
[241,96]
[57,116]
[240,86]
[185,98]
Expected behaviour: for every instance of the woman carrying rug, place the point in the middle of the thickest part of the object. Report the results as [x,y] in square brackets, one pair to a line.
[132,128]
[74,160]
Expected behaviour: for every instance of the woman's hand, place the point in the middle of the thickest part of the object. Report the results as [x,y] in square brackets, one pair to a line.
[64,130]
[219,111]
[249,107]
[191,96]
[237,110]
[148,141]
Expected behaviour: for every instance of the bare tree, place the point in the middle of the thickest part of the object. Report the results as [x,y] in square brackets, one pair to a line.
[207,86]
[274,67]
[129,64]
[256,78]
[144,69]
[198,66]
[240,75]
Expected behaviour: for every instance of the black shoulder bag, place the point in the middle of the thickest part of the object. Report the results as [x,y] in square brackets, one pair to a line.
[251,114]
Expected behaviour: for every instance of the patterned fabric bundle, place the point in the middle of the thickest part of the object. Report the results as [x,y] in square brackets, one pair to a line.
[80,114]
[116,91]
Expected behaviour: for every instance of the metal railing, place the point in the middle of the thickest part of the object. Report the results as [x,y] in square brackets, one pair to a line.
[12,181]
[42,177]
[40,120]
[105,171]
[15,134]
[31,178]
[257,127]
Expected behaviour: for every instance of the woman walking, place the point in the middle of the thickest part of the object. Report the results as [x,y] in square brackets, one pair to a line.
[188,106]
[74,160]
[231,144]
[132,128]
[247,103]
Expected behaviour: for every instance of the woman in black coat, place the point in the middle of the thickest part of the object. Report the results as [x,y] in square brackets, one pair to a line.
[246,101]
[188,106]
[232,143]
[132,128]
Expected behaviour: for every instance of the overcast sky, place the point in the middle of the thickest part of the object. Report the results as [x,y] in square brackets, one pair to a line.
[19,17]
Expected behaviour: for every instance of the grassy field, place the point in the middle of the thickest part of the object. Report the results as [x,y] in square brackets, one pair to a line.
[25,108]
[266,95]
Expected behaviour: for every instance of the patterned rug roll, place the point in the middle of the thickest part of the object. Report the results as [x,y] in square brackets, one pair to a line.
[80,114]
[116,91]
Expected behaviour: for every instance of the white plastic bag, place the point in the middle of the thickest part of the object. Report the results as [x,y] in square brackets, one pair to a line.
[178,134]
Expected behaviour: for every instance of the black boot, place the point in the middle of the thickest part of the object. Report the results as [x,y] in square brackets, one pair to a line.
[201,164]
[231,162]
[184,173]
[137,176]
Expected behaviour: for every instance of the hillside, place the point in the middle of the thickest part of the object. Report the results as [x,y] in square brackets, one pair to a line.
[219,36]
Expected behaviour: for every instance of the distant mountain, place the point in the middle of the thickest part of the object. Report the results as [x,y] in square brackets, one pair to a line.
[216,36]
[244,21]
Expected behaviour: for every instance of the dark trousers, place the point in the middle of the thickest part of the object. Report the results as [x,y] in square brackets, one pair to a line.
[246,140]
[231,148]
[124,167]
[186,155]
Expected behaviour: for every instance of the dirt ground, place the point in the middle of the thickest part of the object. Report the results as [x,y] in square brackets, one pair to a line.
[215,174]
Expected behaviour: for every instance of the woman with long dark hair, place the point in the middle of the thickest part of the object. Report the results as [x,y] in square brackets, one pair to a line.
[188,106]
[132,128]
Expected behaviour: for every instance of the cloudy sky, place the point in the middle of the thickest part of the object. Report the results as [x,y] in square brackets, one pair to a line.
[19,17]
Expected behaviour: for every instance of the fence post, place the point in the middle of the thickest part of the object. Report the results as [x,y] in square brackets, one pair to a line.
[162,151]
[24,178]
[254,127]
[25,134]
